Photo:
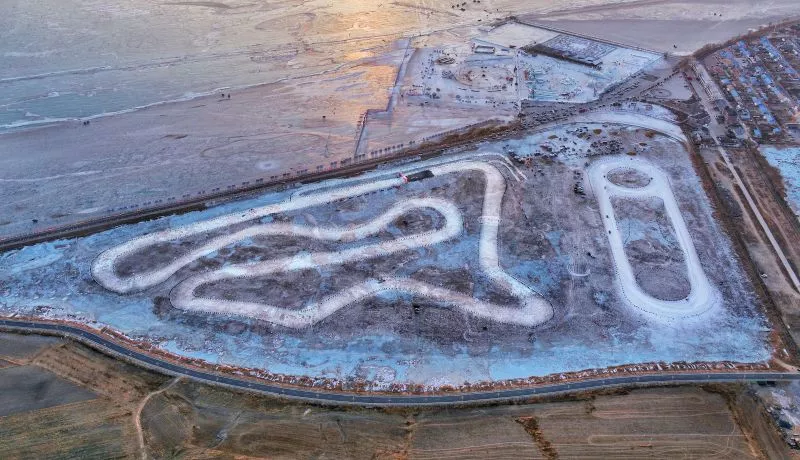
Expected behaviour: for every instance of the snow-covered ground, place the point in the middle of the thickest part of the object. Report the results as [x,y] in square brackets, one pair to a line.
[591,330]
[551,79]
[703,296]
[534,312]
[637,119]
[787,161]
[516,34]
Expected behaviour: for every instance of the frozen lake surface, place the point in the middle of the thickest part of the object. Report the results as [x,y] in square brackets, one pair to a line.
[73,59]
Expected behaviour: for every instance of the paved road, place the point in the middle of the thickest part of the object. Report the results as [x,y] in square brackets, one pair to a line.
[320,397]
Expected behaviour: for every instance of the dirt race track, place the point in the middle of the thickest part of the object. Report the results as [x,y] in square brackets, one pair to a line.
[477,272]
[535,309]
[703,295]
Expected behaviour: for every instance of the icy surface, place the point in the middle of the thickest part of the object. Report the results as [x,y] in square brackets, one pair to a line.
[787,160]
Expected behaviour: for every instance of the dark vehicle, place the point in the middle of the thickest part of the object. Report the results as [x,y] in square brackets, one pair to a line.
[418,175]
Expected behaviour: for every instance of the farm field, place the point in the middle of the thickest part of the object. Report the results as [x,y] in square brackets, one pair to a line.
[180,418]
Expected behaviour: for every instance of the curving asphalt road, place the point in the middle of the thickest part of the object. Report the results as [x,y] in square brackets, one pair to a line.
[96,340]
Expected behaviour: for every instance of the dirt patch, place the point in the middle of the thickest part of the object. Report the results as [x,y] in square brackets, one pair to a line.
[641,423]
[628,177]
[645,423]
[101,374]
[753,418]
[20,347]
[193,419]
[287,290]
[28,388]
[198,421]
[532,428]
[98,429]
[70,402]
[664,284]
[652,247]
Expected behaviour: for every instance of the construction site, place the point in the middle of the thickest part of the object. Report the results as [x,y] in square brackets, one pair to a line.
[478,77]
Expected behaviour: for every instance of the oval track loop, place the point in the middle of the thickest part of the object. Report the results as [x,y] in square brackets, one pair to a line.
[703,295]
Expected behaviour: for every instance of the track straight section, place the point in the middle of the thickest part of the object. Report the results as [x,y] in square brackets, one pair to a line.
[534,309]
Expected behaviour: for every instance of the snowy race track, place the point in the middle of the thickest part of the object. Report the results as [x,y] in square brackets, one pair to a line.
[534,308]
[703,295]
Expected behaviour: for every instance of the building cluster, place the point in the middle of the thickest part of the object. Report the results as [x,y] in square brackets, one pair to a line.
[760,85]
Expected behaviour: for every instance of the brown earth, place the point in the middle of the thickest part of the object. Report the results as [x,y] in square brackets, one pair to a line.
[101,427]
[182,419]
[782,301]
[658,423]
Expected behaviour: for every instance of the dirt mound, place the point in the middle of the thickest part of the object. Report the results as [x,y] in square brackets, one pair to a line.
[484,77]
[628,177]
